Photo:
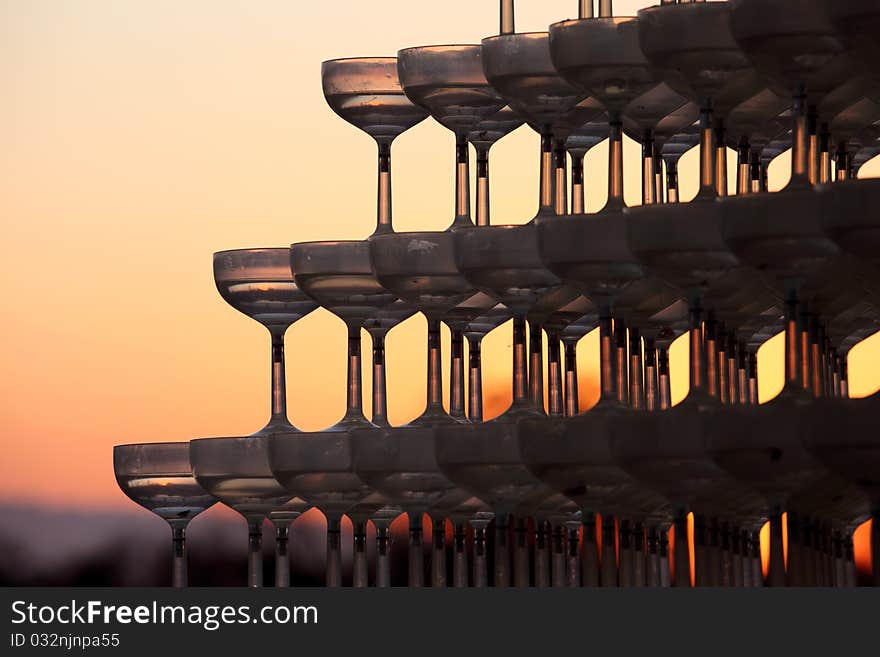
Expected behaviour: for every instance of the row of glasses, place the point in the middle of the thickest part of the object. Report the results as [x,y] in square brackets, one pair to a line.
[338,275]
[627,296]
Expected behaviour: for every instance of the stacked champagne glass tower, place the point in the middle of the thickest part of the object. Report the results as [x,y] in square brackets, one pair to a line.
[554,495]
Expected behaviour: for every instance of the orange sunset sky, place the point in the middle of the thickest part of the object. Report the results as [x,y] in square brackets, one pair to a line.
[136,138]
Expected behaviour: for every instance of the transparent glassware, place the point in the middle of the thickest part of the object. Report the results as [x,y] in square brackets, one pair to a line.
[682,244]
[399,462]
[780,234]
[502,261]
[319,466]
[600,57]
[258,283]
[236,471]
[158,477]
[486,134]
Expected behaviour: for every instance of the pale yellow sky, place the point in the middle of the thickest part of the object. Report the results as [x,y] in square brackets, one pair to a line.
[136,138]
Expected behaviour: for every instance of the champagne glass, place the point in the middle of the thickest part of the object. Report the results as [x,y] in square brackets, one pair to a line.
[236,471]
[158,477]
[258,283]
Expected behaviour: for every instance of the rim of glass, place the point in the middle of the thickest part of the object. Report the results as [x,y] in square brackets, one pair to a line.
[438,46]
[360,58]
[214,438]
[606,19]
[517,34]
[152,444]
[251,250]
[325,242]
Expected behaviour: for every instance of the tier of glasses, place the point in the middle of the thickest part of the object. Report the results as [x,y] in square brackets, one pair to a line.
[548,493]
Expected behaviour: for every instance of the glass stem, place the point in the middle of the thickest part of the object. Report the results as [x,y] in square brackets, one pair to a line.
[825,175]
[753,378]
[521,553]
[554,376]
[804,349]
[625,570]
[812,145]
[507,17]
[665,574]
[708,156]
[653,558]
[622,366]
[574,557]
[435,385]
[460,557]
[776,574]
[456,376]
[755,172]
[841,162]
[799,139]
[792,344]
[607,361]
[520,374]
[536,366]
[710,352]
[649,191]
[615,165]
[720,159]
[698,367]
[380,392]
[559,572]
[483,206]
[278,414]
[590,550]
[608,557]
[571,379]
[481,563]
[416,572]
[383,194]
[671,180]
[502,552]
[462,183]
[438,552]
[652,401]
[577,183]
[542,554]
[179,579]
[354,402]
[700,556]
[282,558]
[743,153]
[732,369]
[255,552]
[585,9]
[560,175]
[664,386]
[547,178]
[383,555]
[360,572]
[636,381]
[475,379]
[682,552]
[334,553]
[606,10]
[658,173]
